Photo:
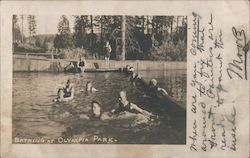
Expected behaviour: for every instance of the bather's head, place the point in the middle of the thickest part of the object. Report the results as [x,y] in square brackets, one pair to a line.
[153,82]
[88,86]
[68,81]
[60,93]
[96,108]
[107,43]
[122,97]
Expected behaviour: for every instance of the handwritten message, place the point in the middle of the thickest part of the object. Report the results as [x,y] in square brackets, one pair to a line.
[214,122]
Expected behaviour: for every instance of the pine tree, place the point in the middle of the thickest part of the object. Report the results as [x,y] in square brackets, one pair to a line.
[32,25]
[81,24]
[63,25]
[16,33]
[63,39]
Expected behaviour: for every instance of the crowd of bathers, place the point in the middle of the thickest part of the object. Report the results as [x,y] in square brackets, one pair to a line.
[123,105]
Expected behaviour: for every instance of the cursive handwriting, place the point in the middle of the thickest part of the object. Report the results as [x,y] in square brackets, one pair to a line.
[194,137]
[218,43]
[232,119]
[204,146]
[211,128]
[238,66]
[211,28]
[198,39]
[212,139]
[193,109]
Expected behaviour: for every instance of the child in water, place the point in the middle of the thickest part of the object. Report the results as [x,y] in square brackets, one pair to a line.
[124,105]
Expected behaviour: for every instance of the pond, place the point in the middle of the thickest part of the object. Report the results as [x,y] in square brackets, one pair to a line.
[36,116]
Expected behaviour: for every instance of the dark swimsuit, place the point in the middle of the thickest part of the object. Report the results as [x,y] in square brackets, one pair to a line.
[81,63]
[153,91]
[67,94]
[133,79]
[122,108]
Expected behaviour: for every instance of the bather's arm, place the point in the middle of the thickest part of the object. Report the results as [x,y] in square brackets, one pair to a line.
[164,92]
[144,112]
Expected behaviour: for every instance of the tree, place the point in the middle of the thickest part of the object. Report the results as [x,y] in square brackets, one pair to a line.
[63,25]
[32,25]
[16,34]
[63,39]
[22,18]
[81,23]
[133,49]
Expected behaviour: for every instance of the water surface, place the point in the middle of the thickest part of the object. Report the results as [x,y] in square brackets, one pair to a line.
[36,116]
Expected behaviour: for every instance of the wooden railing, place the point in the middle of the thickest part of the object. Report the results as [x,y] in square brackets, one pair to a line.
[47,55]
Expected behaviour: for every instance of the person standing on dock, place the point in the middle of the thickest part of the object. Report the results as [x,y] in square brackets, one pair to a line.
[108,50]
[82,64]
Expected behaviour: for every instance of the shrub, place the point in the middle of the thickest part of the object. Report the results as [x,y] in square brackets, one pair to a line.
[74,53]
[169,51]
[28,48]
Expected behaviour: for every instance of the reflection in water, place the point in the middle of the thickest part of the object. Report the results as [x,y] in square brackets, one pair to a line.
[35,115]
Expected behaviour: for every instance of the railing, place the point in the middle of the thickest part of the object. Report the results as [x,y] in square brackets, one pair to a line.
[47,55]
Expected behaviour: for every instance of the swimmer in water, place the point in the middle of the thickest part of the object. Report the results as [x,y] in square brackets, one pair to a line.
[129,70]
[61,97]
[69,89]
[124,105]
[96,112]
[134,76]
[69,83]
[68,92]
[90,88]
[154,89]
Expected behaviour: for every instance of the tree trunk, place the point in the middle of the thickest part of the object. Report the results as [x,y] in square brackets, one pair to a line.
[22,27]
[171,27]
[123,37]
[143,24]
[177,30]
[92,32]
[101,32]
[91,24]
[147,25]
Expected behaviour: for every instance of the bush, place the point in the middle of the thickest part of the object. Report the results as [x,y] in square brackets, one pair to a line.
[75,53]
[28,48]
[169,51]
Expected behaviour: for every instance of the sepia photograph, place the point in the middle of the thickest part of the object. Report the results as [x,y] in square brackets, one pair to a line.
[99,79]
[124,79]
